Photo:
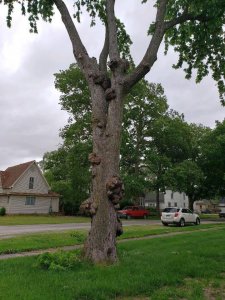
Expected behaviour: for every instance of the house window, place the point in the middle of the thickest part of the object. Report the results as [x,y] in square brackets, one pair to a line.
[175,204]
[184,205]
[31,183]
[169,204]
[172,195]
[30,200]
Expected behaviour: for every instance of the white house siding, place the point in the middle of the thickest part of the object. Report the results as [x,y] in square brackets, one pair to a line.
[42,205]
[40,185]
[174,199]
[55,204]
[4,202]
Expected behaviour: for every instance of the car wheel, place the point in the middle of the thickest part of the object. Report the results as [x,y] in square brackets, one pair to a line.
[182,222]
[165,224]
[197,222]
[128,217]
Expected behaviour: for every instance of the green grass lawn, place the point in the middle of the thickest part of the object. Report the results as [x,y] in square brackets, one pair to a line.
[189,267]
[38,241]
[38,219]
[210,216]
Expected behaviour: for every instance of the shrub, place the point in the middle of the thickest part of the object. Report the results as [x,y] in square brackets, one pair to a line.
[58,261]
[153,211]
[125,203]
[2,211]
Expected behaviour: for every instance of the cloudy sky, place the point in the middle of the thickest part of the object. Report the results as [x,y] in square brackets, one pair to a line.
[30,114]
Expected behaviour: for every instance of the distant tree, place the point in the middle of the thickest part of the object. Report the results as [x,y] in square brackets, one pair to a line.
[170,143]
[196,30]
[187,175]
[143,106]
[213,161]
[67,172]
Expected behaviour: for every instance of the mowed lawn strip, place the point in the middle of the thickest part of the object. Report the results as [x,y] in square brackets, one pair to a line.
[189,267]
[29,242]
[36,219]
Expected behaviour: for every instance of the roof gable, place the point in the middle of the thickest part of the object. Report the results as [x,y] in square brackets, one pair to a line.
[12,174]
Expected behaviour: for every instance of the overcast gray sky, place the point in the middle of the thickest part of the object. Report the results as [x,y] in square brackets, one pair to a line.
[30,114]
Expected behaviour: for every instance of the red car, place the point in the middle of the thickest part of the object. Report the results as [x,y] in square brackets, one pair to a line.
[133,212]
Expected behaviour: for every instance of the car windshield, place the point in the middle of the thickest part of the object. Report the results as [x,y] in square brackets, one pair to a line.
[170,210]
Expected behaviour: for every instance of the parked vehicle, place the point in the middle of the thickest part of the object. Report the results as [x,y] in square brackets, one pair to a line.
[129,212]
[179,216]
[222,212]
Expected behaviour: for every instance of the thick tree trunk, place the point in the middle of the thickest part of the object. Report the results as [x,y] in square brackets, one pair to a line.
[157,202]
[191,201]
[107,187]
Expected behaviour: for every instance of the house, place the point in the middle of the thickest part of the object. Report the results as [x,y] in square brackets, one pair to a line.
[167,199]
[205,205]
[221,207]
[24,190]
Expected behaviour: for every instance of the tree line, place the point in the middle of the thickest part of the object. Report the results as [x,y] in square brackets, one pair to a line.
[159,149]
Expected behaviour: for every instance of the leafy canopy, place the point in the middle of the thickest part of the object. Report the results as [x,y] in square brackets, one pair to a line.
[195,29]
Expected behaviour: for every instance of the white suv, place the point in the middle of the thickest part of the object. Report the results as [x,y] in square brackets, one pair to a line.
[179,216]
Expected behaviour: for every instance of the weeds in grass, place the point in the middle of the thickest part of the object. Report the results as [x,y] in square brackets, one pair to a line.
[58,261]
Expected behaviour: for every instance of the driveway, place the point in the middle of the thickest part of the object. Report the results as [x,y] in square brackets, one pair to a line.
[13,230]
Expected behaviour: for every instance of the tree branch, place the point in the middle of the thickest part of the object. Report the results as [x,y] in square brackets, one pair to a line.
[151,54]
[105,52]
[79,50]
[185,17]
[112,30]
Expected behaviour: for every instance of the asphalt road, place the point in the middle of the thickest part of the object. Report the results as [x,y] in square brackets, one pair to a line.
[13,230]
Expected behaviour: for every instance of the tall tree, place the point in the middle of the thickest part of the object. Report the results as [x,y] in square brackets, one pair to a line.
[194,28]
[145,104]
[212,161]
[187,175]
[170,143]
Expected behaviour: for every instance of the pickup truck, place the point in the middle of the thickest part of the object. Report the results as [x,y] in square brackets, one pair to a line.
[129,212]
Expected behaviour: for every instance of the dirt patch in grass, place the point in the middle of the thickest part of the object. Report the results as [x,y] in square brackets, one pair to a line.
[215,290]
[193,288]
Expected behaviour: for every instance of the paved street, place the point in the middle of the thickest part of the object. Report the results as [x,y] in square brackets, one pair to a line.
[13,230]
[8,231]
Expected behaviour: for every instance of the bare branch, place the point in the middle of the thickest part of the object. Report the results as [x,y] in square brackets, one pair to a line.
[105,52]
[112,30]
[151,54]
[79,50]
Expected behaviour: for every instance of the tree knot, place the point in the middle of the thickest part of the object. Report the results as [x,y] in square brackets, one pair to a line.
[123,64]
[103,80]
[113,64]
[94,159]
[115,189]
[110,94]
[88,207]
